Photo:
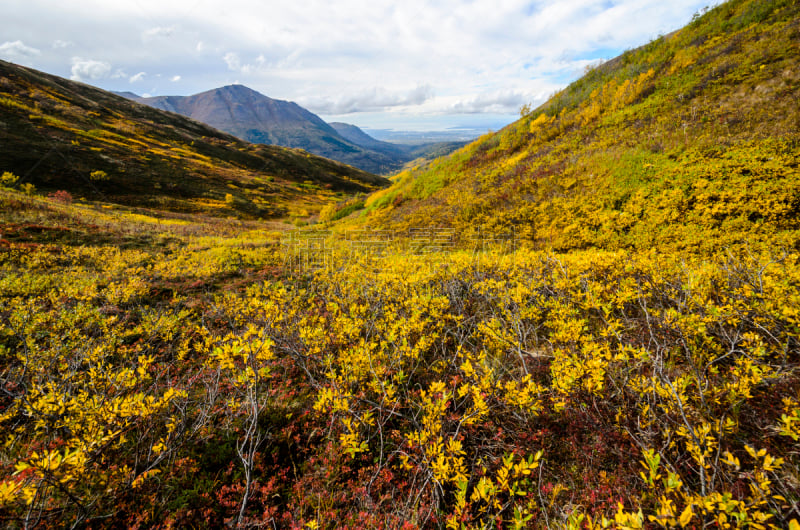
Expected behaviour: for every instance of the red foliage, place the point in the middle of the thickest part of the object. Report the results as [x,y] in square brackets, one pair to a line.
[62,196]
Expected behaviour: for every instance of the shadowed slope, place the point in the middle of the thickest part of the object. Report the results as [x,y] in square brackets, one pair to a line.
[58,134]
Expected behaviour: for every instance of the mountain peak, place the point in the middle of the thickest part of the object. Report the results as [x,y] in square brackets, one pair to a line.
[240,90]
[254,117]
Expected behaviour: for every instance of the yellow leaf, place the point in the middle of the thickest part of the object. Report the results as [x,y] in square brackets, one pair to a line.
[686,516]
[7,491]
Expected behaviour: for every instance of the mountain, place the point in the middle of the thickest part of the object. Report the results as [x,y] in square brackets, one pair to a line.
[247,114]
[689,142]
[127,94]
[256,118]
[62,135]
[359,137]
[402,153]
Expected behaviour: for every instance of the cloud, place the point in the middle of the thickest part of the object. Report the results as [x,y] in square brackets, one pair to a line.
[89,69]
[158,33]
[375,99]
[232,60]
[138,77]
[497,102]
[480,56]
[175,78]
[17,50]
[235,64]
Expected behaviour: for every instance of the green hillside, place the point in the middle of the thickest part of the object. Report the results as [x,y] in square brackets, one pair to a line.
[689,141]
[61,135]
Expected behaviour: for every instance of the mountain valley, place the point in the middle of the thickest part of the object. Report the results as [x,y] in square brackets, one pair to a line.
[258,119]
[589,319]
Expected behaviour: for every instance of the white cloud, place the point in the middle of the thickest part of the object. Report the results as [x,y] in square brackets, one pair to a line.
[377,98]
[232,60]
[158,33]
[497,102]
[448,56]
[138,77]
[175,78]
[235,64]
[17,50]
[89,69]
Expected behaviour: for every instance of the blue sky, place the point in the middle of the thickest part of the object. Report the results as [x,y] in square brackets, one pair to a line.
[410,65]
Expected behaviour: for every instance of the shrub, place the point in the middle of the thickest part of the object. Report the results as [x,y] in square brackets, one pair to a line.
[335,212]
[61,196]
[8,179]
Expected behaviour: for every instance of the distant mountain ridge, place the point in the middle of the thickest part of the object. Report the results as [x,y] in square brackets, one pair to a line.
[245,113]
[62,135]
[411,152]
[254,117]
[257,118]
[359,137]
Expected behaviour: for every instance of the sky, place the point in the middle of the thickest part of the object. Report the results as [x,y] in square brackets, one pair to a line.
[403,65]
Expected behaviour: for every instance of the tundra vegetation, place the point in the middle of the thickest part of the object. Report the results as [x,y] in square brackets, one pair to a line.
[628,360]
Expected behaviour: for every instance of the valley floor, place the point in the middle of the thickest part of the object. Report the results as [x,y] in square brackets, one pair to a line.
[170,372]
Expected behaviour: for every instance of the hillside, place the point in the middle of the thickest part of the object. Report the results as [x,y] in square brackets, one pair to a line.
[61,135]
[631,361]
[689,141]
[189,372]
[256,118]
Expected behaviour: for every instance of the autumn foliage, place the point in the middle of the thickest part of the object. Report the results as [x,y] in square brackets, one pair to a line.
[688,143]
[601,330]
[207,381]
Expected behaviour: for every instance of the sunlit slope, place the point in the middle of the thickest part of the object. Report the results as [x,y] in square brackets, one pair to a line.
[690,141]
[62,135]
